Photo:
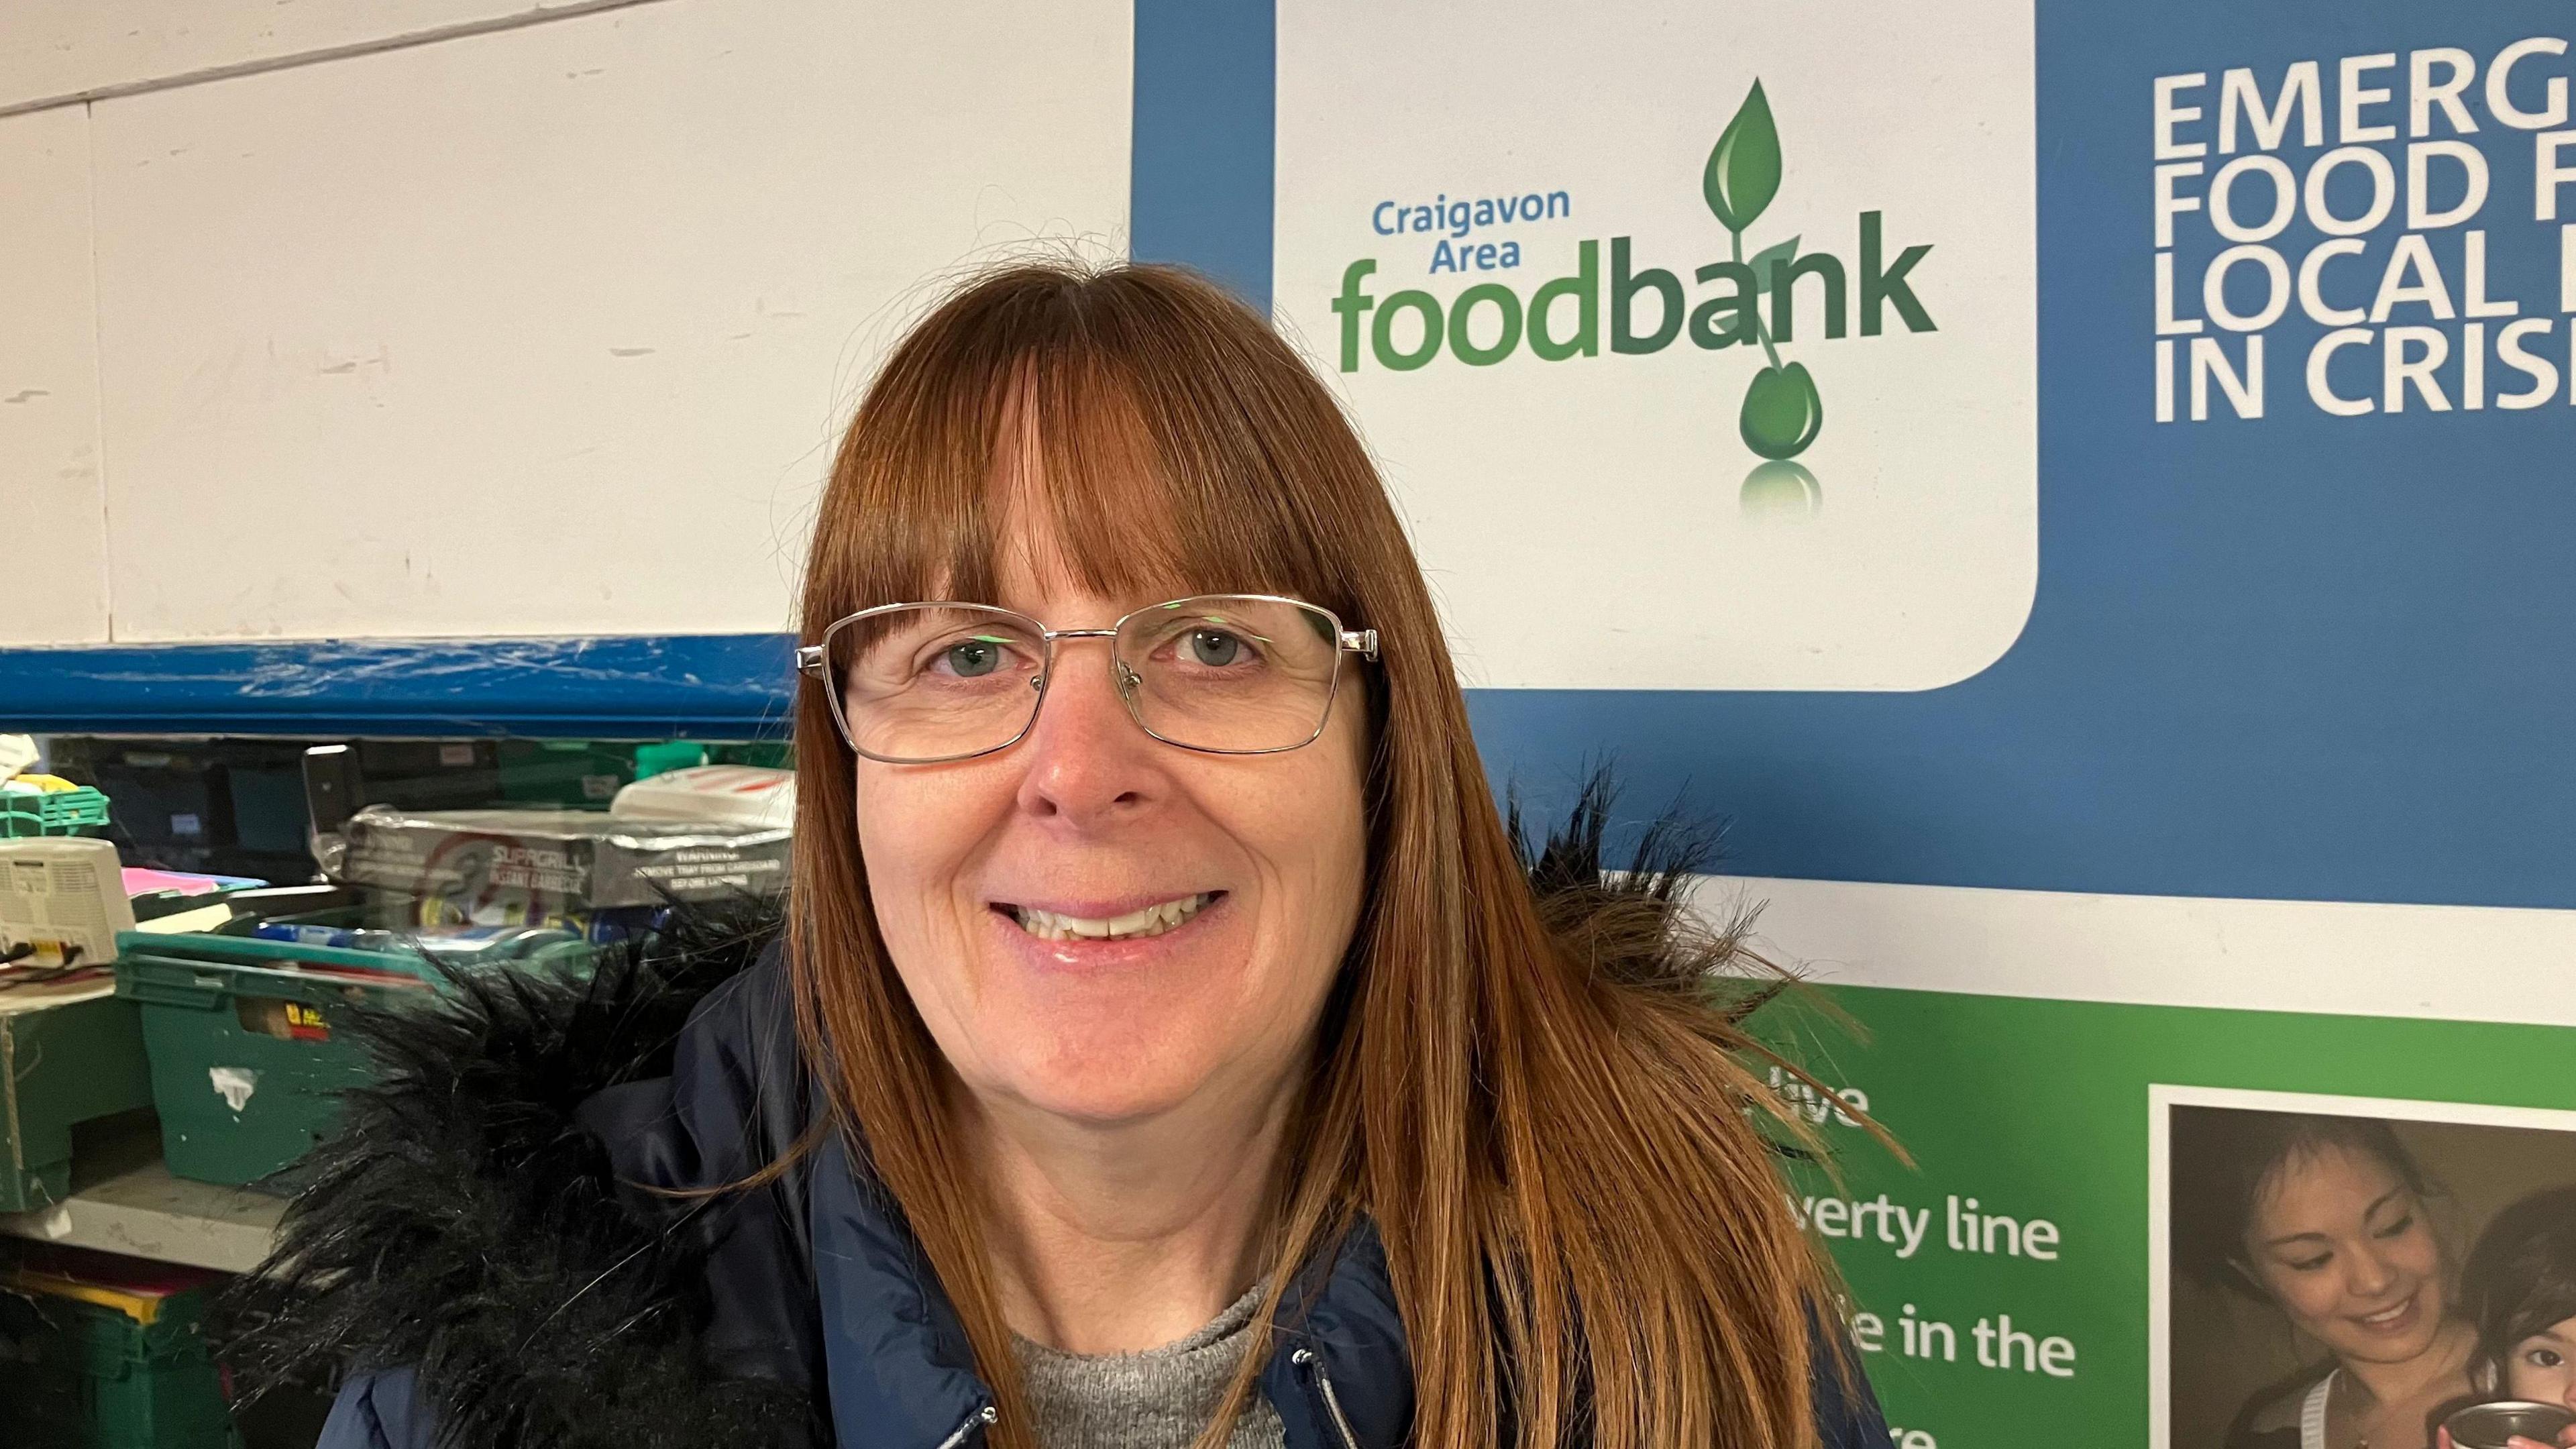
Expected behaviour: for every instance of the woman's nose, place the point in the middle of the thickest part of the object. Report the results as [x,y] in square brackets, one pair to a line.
[2369,1275]
[1087,760]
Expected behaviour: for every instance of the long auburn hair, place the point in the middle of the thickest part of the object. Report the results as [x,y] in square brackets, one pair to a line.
[1584,1224]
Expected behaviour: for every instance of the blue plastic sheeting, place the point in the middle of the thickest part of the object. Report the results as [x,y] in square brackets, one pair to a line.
[725,686]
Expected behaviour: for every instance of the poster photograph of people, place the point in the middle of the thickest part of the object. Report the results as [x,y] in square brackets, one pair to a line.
[2349,1273]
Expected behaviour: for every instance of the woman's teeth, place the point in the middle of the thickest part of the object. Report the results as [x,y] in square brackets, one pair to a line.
[1149,921]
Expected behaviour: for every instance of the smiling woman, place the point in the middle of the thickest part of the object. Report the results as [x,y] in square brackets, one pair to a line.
[1343,1035]
[2329,1219]
[1171,1044]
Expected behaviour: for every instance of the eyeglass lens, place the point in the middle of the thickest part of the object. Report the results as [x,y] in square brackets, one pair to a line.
[1226,672]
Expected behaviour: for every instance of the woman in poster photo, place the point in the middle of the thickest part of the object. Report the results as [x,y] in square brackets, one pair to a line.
[2520,1292]
[2324,1219]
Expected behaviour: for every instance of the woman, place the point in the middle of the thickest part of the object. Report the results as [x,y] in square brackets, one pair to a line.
[2325,1218]
[1167,1046]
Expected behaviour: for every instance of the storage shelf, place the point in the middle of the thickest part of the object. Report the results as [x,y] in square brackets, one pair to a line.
[134,1206]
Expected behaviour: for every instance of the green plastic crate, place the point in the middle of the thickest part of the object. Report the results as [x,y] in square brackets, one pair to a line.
[66,1057]
[90,1369]
[767,754]
[668,755]
[81,811]
[247,1041]
[577,774]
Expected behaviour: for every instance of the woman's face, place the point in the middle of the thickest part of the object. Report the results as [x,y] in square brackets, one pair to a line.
[2343,1244]
[1262,857]
[2542,1367]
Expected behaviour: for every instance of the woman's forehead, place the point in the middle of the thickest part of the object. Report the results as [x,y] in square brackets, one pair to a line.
[2328,1180]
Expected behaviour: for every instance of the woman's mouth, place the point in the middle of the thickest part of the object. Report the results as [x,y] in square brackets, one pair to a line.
[1144,921]
[2396,1318]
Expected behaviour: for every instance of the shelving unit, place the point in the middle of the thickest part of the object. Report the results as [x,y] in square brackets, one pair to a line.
[124,1201]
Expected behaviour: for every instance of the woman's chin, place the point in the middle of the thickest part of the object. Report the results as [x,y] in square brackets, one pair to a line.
[1105,1095]
[1099,1063]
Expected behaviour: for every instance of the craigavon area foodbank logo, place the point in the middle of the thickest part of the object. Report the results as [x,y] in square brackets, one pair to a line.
[1782,411]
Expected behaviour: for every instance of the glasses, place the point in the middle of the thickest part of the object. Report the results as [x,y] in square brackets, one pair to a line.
[1228,674]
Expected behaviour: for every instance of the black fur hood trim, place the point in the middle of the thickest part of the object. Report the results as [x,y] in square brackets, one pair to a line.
[463,1224]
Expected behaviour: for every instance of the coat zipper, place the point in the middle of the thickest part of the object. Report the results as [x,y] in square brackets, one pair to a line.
[1306,1359]
[980,1419]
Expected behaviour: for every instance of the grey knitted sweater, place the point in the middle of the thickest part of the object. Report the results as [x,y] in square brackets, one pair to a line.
[1157,1399]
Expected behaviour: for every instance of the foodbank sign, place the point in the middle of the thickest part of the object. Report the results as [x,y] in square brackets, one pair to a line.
[1732,319]
[1752,296]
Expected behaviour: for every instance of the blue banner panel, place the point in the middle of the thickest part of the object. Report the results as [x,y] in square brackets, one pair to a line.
[2318,652]
[1206,89]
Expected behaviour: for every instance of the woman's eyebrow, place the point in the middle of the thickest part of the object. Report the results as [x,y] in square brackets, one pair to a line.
[2368,1213]
[2289,1238]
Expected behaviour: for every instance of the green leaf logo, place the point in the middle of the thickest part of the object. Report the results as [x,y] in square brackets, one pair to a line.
[1778,254]
[1782,413]
[1744,168]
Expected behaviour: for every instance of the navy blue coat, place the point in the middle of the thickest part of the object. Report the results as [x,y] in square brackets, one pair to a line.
[814,1282]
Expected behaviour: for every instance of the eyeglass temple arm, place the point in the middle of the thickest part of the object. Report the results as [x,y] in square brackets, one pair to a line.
[809,660]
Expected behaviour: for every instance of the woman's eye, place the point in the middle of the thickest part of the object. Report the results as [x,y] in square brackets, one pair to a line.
[1214,648]
[971,658]
[2310,1265]
[2399,1227]
[2548,1358]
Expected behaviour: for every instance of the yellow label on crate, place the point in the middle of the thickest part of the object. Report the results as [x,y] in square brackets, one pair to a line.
[282,1019]
[141,1307]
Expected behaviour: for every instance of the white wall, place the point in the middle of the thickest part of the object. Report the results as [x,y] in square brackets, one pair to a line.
[62,50]
[50,498]
[537,331]
[2344,958]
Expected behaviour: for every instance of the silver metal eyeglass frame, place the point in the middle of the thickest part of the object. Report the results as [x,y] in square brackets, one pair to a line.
[814,662]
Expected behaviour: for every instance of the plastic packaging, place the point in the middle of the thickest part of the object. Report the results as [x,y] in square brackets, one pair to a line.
[742,794]
[531,867]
